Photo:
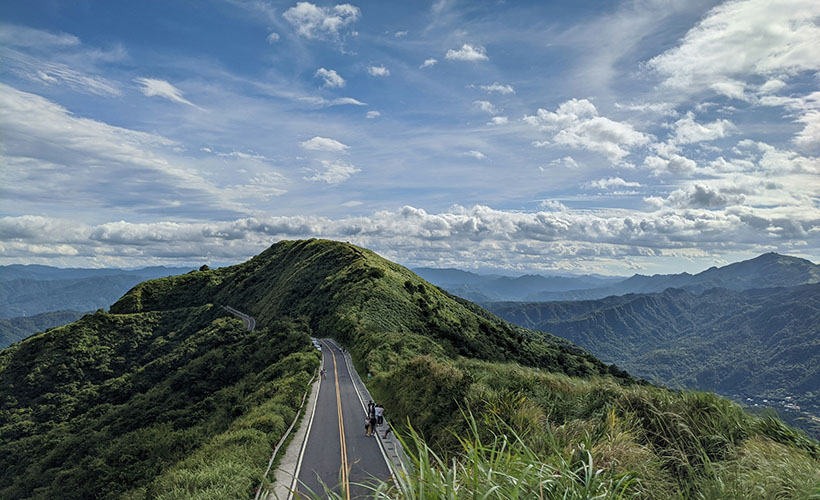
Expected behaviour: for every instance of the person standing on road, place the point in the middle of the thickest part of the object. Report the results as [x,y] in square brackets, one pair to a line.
[371,408]
[372,421]
[379,414]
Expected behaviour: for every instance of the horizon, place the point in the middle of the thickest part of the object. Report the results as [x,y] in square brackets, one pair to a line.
[599,138]
[480,272]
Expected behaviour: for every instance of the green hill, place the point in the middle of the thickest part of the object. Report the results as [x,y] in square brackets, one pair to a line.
[758,344]
[167,397]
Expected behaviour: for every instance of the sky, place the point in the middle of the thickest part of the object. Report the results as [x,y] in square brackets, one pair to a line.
[649,136]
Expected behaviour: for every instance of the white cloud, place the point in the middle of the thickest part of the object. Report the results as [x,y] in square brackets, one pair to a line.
[335,171]
[52,73]
[378,71]
[161,88]
[330,77]
[771,86]
[273,37]
[315,22]
[400,34]
[552,205]
[485,106]
[498,120]
[467,52]
[497,87]
[428,63]
[565,162]
[610,183]
[323,144]
[670,164]
[111,169]
[372,114]
[478,155]
[352,203]
[576,124]
[687,131]
[740,39]
[696,196]
[475,235]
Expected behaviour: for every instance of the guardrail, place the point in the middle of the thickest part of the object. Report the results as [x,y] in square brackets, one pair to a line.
[283,438]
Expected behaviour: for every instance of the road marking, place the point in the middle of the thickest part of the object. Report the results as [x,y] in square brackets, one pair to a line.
[293,484]
[343,447]
[364,408]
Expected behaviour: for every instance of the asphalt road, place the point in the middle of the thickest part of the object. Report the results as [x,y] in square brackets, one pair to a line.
[249,322]
[337,437]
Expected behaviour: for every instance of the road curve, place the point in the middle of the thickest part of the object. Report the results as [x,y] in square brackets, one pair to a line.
[250,323]
[336,436]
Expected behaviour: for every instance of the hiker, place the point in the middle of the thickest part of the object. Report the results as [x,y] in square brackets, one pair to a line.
[379,414]
[371,408]
[372,421]
[323,373]
[367,427]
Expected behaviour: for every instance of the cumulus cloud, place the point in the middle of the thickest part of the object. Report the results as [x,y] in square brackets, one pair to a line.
[610,183]
[497,87]
[400,34]
[330,77]
[485,106]
[670,164]
[372,114]
[314,22]
[696,196]
[273,37]
[498,120]
[161,88]
[467,52]
[565,162]
[478,155]
[576,124]
[428,63]
[378,71]
[323,144]
[687,130]
[335,171]
[740,39]
[460,235]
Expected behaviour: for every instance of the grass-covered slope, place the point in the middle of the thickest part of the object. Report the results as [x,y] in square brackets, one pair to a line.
[126,405]
[376,307]
[165,397]
[756,343]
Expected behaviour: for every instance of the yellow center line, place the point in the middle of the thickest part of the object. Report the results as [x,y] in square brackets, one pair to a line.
[342,441]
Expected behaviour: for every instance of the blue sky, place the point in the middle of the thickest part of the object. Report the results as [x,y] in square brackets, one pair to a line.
[642,136]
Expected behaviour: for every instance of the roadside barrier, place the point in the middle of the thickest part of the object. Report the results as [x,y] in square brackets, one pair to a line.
[283,438]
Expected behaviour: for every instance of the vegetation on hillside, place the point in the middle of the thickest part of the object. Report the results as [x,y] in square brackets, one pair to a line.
[498,410]
[747,344]
[169,404]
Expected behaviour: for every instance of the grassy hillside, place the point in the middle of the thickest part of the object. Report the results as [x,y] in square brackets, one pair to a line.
[165,397]
[16,329]
[127,405]
[748,344]
[374,306]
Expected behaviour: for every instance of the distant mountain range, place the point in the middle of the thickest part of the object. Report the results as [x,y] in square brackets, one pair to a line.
[747,330]
[767,270]
[33,289]
[15,329]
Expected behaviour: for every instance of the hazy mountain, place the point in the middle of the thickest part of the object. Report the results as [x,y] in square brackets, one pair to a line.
[760,343]
[767,270]
[15,329]
[491,288]
[33,289]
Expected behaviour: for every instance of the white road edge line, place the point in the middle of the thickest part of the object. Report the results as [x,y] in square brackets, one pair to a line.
[364,409]
[307,436]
